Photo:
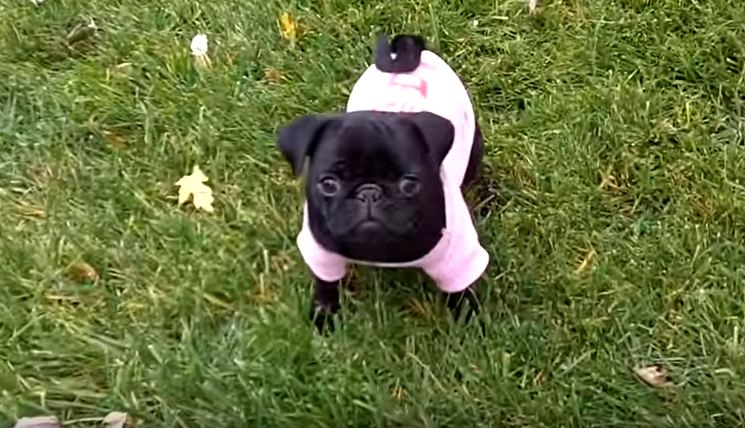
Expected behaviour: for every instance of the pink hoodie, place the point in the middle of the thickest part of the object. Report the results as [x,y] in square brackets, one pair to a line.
[458,259]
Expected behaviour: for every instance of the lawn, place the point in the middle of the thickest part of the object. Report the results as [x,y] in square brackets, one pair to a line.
[612,203]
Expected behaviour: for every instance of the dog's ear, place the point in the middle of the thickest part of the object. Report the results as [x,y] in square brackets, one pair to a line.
[299,138]
[436,132]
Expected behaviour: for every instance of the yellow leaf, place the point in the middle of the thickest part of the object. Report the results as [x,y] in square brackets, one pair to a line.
[288,26]
[586,262]
[654,375]
[117,420]
[192,187]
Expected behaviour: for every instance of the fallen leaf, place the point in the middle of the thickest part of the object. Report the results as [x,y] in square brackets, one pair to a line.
[586,262]
[30,211]
[117,420]
[199,49]
[540,378]
[272,75]
[199,45]
[399,392]
[115,140]
[260,294]
[192,187]
[38,422]
[533,7]
[81,271]
[82,31]
[288,27]
[654,375]
[420,308]
[119,70]
[218,302]
[607,180]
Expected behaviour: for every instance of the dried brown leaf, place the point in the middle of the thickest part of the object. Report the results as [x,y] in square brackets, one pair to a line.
[30,211]
[654,375]
[540,378]
[38,422]
[272,75]
[117,420]
[115,140]
[261,294]
[420,308]
[81,271]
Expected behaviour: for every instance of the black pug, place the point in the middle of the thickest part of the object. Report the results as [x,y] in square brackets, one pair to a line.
[384,180]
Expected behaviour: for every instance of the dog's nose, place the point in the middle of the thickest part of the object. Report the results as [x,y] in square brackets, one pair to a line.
[369,193]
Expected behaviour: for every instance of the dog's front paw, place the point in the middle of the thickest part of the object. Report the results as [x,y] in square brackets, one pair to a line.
[322,316]
[325,304]
[466,299]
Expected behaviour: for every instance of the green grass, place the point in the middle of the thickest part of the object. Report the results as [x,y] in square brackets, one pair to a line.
[615,136]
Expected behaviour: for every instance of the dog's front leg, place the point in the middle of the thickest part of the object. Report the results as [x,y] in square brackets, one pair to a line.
[325,303]
[457,300]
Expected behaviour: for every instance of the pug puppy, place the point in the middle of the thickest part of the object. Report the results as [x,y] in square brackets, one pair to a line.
[384,179]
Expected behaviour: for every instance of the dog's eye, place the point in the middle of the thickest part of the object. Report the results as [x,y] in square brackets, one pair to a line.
[329,186]
[409,186]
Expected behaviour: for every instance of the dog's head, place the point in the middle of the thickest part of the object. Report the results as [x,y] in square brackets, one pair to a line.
[373,181]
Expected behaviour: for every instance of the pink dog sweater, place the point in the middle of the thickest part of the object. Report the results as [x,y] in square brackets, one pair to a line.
[458,259]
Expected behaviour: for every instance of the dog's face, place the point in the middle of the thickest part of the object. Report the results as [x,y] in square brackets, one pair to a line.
[373,183]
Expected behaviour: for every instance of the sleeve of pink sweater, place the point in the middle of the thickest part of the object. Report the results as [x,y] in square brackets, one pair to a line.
[459,259]
[324,264]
